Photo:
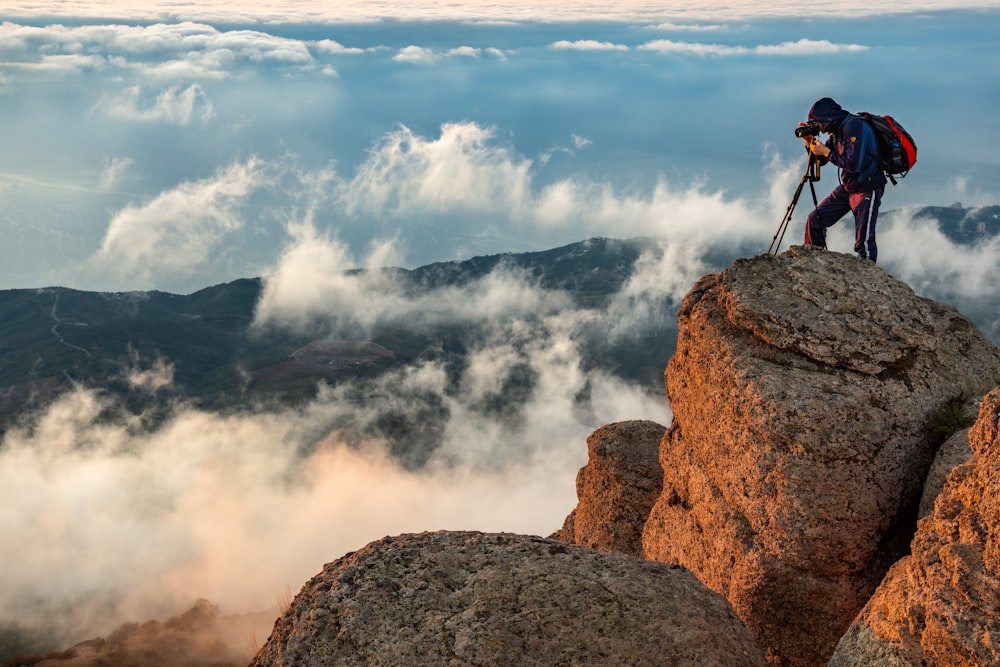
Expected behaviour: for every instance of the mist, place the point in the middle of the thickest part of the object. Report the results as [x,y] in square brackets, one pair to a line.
[108,521]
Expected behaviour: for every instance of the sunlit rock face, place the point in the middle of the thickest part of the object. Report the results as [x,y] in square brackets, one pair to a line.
[469,598]
[801,389]
[941,605]
[617,487]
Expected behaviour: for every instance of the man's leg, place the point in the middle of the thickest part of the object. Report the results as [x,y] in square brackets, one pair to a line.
[829,211]
[865,206]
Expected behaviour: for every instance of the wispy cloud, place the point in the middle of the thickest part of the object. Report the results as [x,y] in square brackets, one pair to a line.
[181,228]
[587,45]
[799,48]
[173,105]
[115,171]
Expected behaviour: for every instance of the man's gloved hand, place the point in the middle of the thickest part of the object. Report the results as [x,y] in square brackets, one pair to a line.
[819,148]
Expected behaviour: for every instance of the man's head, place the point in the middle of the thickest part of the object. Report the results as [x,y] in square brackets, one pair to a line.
[828,114]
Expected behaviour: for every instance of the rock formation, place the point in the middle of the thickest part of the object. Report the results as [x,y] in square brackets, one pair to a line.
[616,488]
[941,605]
[451,598]
[801,388]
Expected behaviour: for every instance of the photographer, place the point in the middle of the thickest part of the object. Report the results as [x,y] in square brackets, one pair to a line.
[852,147]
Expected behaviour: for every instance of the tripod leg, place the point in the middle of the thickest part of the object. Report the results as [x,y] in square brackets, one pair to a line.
[776,241]
[811,174]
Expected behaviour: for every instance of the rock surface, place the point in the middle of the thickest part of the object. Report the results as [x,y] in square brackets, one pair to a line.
[801,389]
[617,487]
[470,598]
[941,605]
[954,452]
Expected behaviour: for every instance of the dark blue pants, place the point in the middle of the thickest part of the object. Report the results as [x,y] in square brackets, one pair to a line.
[864,206]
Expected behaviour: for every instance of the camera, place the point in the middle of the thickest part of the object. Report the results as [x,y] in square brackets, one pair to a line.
[808,129]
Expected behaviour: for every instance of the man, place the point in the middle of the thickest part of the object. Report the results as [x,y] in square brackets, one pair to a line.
[852,147]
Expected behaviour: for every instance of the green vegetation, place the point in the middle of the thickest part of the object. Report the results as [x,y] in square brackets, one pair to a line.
[948,419]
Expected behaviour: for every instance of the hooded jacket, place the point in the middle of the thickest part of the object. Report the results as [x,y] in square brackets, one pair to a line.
[852,145]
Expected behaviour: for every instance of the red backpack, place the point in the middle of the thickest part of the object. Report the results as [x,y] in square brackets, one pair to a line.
[897,152]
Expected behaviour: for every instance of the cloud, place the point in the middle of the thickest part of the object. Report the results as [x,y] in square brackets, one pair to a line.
[60,64]
[115,171]
[416,184]
[499,54]
[331,46]
[462,170]
[587,45]
[801,47]
[423,55]
[465,51]
[312,285]
[172,106]
[416,54]
[182,50]
[694,27]
[180,229]
[805,47]
[473,11]
[956,273]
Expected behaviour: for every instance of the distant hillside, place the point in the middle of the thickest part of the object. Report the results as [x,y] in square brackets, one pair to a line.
[54,338]
[965,225]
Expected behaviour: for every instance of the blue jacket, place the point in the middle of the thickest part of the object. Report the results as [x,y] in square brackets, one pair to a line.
[852,146]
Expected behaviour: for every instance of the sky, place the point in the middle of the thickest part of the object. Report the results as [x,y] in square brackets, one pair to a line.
[169,146]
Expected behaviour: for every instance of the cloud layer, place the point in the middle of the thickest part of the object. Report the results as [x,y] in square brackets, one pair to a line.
[274,11]
[110,523]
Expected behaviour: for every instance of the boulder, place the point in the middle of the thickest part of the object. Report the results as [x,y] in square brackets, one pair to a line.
[940,606]
[801,389]
[617,487]
[469,598]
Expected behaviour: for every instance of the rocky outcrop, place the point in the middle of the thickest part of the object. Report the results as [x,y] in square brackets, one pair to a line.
[617,488]
[801,389]
[452,598]
[940,606]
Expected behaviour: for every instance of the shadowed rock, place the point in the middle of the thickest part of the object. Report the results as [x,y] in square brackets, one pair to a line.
[617,488]
[452,598]
[939,606]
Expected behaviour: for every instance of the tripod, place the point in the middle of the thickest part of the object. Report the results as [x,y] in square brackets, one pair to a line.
[812,175]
